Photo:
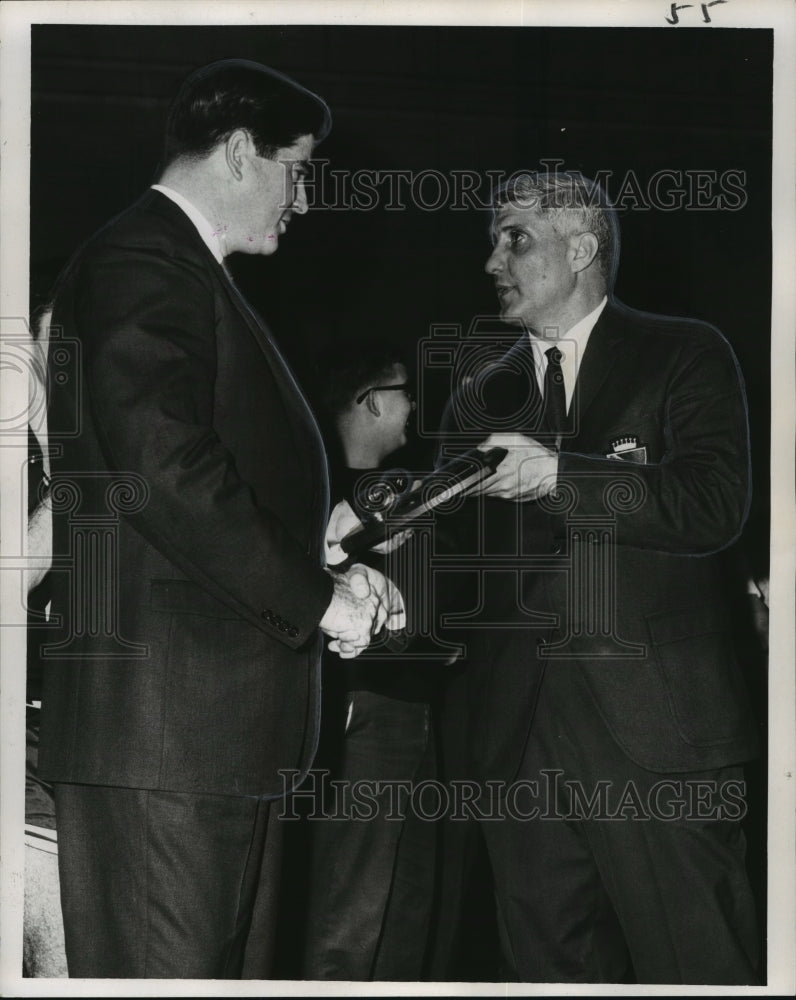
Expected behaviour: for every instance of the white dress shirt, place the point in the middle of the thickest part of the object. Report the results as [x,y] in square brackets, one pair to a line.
[572,346]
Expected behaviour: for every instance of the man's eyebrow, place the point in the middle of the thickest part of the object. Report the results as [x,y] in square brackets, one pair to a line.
[509,225]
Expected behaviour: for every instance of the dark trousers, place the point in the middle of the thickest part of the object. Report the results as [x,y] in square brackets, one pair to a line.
[613,891]
[372,872]
[165,884]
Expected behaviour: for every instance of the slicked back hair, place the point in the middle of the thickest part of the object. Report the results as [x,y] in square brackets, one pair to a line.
[230,94]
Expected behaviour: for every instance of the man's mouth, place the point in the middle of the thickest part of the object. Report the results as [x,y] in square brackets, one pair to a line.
[503,290]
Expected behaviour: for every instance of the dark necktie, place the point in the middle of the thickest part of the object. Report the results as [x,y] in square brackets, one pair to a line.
[554,412]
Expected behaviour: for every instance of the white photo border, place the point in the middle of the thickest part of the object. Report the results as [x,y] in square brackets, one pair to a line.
[16,18]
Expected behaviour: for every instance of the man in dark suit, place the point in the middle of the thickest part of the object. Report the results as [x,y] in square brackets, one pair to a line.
[190,493]
[604,698]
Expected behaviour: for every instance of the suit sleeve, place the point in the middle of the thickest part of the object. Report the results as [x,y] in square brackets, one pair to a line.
[148,326]
[696,498]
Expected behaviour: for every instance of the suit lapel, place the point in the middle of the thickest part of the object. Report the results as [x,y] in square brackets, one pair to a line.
[607,346]
[292,396]
[259,331]
[257,326]
[291,392]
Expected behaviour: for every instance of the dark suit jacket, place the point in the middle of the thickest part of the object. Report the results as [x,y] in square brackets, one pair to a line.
[190,498]
[619,576]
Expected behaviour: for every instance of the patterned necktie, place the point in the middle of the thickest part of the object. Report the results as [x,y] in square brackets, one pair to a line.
[554,412]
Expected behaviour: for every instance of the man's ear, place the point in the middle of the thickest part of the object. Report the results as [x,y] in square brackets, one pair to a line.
[373,404]
[237,149]
[585,247]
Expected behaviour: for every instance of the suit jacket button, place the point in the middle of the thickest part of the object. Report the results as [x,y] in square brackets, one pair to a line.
[293,631]
[541,641]
[557,549]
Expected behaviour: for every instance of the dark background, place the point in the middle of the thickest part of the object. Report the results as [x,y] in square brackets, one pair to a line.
[442,98]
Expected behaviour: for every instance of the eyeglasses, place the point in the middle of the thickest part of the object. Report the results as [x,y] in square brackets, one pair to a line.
[388,388]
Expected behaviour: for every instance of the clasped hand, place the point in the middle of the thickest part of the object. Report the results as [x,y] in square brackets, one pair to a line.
[363,602]
[528,472]
[342,521]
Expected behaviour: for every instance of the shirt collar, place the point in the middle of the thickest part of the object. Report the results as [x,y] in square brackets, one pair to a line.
[579,333]
[573,347]
[210,236]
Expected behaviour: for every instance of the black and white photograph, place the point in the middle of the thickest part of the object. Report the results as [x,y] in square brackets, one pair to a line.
[397,528]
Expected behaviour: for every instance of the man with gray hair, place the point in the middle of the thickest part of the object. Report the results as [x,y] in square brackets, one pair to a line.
[606,706]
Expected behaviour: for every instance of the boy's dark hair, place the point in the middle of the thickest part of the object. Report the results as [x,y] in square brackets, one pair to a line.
[351,367]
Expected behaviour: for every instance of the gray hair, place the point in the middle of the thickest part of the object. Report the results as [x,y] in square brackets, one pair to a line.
[573,203]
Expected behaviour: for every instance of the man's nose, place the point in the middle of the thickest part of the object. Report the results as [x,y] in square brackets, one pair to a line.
[300,204]
[494,262]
